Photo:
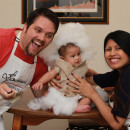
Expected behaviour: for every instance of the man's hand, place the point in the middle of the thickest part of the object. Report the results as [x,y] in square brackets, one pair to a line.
[6,92]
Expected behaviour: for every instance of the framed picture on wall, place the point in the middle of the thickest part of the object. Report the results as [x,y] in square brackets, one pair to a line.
[83,11]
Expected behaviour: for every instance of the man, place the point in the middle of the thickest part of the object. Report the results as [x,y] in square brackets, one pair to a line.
[19,64]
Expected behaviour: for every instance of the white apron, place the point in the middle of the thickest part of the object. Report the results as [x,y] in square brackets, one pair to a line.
[17,74]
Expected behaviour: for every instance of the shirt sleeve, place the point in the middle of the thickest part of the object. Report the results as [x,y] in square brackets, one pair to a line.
[106,80]
[7,37]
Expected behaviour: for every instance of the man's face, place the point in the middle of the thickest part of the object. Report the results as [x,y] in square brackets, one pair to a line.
[37,36]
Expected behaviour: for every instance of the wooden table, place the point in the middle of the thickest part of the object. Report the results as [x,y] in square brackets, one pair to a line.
[23,116]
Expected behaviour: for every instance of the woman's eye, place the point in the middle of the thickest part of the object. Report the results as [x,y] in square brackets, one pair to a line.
[107,49]
[118,48]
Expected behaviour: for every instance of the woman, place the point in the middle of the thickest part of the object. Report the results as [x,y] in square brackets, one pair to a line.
[117,56]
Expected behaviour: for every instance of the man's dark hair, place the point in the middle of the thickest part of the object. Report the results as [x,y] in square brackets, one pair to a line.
[45,13]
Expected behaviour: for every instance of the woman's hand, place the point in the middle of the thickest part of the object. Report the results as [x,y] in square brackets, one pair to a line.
[54,83]
[6,92]
[82,86]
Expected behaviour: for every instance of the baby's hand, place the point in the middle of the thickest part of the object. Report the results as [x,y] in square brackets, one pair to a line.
[37,86]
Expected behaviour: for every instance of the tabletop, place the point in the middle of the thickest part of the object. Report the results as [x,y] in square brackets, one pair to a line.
[24,116]
[21,108]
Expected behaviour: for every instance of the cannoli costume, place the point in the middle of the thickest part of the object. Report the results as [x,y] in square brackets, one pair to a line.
[63,100]
[65,70]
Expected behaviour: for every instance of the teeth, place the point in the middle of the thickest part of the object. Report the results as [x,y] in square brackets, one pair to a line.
[114,60]
[38,43]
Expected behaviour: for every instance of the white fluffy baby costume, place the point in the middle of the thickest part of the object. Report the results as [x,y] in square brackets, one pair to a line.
[61,104]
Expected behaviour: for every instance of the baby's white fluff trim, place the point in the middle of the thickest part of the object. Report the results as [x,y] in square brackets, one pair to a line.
[69,32]
[34,104]
[54,99]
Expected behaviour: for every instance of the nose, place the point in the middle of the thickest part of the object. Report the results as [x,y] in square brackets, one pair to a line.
[77,57]
[113,52]
[42,37]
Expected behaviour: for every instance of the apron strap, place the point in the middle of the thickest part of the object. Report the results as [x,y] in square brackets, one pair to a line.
[17,39]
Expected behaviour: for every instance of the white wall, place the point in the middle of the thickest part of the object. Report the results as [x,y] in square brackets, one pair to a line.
[119,18]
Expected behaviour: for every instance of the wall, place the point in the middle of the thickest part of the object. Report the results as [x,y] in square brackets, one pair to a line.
[119,18]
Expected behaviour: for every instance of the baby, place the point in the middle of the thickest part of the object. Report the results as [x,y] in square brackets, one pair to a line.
[63,100]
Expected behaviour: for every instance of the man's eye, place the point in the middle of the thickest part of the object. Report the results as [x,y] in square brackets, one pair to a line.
[49,35]
[38,30]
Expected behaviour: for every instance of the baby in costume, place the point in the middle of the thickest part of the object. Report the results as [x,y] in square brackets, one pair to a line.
[63,100]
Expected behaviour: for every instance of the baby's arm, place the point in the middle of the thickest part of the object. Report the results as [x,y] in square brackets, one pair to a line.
[45,79]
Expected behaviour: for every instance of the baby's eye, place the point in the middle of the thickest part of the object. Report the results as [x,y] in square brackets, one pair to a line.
[78,54]
[73,56]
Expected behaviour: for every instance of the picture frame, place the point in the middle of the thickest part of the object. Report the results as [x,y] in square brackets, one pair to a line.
[88,12]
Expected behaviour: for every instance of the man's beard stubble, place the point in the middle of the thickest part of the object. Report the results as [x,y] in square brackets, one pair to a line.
[30,54]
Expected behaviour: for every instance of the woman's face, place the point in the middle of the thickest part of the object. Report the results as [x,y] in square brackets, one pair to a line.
[115,57]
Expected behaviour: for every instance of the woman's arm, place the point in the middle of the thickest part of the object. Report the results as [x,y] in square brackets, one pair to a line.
[105,111]
[86,89]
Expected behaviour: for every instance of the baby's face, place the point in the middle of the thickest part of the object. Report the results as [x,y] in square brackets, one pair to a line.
[73,56]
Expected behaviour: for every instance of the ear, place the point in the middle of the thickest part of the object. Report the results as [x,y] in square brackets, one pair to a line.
[61,57]
[25,27]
